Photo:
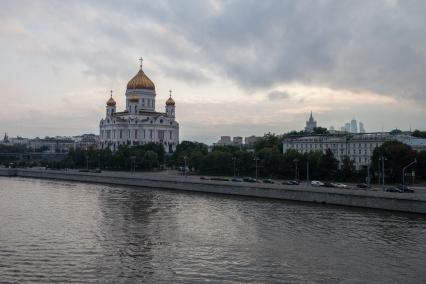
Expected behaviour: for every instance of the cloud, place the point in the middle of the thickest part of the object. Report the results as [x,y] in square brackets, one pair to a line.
[278,95]
[334,57]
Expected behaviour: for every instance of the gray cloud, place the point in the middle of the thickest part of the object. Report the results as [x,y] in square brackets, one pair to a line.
[278,95]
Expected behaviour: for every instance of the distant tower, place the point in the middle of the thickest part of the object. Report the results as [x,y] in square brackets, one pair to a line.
[5,138]
[170,106]
[348,127]
[354,126]
[110,106]
[310,124]
[361,127]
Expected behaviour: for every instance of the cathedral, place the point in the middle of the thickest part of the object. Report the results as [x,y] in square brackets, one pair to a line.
[139,123]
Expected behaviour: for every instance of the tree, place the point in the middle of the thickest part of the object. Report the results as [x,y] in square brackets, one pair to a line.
[270,158]
[421,164]
[150,160]
[268,140]
[328,165]
[320,130]
[347,169]
[396,155]
[419,134]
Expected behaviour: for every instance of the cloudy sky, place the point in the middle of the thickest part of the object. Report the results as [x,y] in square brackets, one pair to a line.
[235,67]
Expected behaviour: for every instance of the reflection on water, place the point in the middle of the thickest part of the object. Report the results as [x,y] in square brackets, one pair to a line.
[52,231]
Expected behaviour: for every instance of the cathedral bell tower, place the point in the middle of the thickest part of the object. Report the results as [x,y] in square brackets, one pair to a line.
[110,106]
[170,106]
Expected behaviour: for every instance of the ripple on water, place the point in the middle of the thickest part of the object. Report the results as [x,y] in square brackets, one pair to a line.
[74,232]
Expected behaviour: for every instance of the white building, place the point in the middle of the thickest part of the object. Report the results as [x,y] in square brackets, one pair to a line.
[359,147]
[310,124]
[139,123]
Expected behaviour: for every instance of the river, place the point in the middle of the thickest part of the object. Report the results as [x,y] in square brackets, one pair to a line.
[69,232]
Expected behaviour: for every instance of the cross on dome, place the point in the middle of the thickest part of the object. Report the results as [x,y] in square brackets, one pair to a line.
[170,92]
[141,60]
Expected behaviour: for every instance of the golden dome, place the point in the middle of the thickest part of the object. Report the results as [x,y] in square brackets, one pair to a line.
[133,99]
[170,102]
[111,102]
[141,81]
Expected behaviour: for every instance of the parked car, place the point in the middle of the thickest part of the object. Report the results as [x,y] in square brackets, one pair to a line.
[204,178]
[268,180]
[362,185]
[219,178]
[237,179]
[294,182]
[393,189]
[328,184]
[339,185]
[249,179]
[405,188]
[317,183]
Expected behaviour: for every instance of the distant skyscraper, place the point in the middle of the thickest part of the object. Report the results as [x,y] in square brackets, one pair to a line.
[361,127]
[354,126]
[310,124]
[348,127]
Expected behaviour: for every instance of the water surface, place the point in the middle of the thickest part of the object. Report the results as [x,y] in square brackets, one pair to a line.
[53,231]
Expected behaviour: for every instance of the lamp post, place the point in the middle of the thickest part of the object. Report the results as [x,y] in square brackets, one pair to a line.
[382,159]
[296,169]
[184,168]
[132,163]
[255,165]
[403,171]
[307,172]
[234,160]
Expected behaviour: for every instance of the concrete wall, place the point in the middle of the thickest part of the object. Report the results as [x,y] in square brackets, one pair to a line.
[379,200]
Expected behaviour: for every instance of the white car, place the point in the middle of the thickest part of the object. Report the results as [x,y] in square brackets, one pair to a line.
[339,185]
[316,183]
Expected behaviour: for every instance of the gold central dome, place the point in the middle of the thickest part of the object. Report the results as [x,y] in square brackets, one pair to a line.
[141,81]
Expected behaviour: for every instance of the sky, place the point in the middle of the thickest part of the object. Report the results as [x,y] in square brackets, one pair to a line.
[236,68]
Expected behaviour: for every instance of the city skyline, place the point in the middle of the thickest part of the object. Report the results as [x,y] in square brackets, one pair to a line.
[368,60]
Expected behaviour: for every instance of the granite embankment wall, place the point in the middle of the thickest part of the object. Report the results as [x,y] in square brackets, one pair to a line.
[406,202]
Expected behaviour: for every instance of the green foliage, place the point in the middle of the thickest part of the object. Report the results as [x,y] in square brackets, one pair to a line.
[419,134]
[395,131]
[347,169]
[320,130]
[421,164]
[268,140]
[396,155]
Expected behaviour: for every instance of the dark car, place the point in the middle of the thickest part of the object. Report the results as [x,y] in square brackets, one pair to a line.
[393,189]
[268,180]
[249,179]
[219,178]
[405,188]
[328,184]
[204,178]
[362,185]
[237,180]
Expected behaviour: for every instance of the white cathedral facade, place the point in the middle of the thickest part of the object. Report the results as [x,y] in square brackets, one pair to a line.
[139,123]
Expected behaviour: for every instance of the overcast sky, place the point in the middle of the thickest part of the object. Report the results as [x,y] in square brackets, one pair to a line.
[235,67]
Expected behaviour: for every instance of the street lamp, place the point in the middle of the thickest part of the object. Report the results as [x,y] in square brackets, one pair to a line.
[403,172]
[184,169]
[234,160]
[132,163]
[307,172]
[255,165]
[296,169]
[383,159]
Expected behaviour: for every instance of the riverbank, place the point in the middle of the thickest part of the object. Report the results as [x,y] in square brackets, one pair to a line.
[405,202]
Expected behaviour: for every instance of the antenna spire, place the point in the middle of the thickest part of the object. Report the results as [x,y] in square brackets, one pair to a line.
[170,93]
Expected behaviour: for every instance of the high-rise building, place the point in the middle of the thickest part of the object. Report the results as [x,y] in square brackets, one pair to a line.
[354,126]
[348,127]
[310,124]
[361,127]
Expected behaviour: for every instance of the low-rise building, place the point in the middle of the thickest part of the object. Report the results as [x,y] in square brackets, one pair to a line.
[358,147]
